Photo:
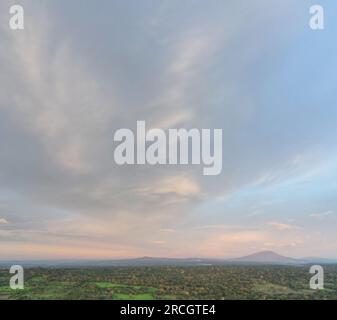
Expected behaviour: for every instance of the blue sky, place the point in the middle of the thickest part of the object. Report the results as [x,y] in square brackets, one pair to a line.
[79,71]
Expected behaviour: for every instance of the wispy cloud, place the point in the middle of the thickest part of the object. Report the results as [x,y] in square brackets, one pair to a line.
[3,221]
[322,215]
[167,230]
[282,226]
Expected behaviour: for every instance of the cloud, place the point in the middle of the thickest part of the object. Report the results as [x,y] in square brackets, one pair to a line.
[219,227]
[282,226]
[179,185]
[167,230]
[322,215]
[160,242]
[3,221]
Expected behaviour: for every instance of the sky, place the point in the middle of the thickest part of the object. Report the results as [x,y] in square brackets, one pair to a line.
[81,70]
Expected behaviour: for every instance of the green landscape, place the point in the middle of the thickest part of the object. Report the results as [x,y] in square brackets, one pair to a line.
[264,282]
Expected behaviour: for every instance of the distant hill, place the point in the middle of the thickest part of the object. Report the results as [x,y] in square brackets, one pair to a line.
[319,260]
[259,258]
[137,262]
[267,257]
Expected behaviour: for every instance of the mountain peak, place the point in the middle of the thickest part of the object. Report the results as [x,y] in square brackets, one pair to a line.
[267,256]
